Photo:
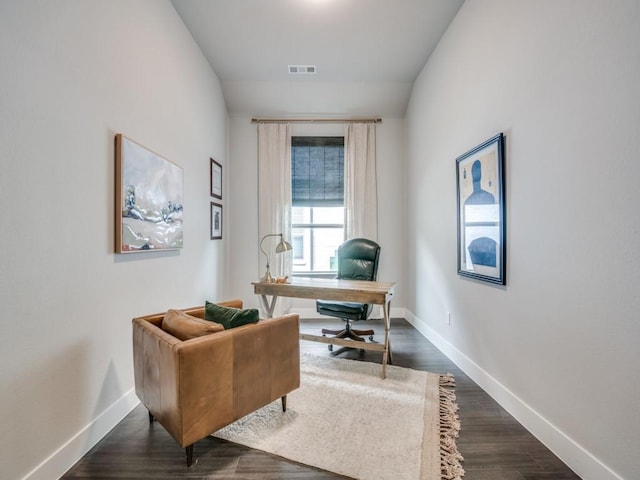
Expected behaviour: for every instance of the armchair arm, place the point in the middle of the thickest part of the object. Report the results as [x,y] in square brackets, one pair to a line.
[267,362]
[205,385]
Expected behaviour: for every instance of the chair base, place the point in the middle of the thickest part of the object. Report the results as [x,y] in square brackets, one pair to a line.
[352,334]
[349,333]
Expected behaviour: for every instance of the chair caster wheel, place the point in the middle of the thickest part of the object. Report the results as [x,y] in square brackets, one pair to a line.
[330,347]
[371,337]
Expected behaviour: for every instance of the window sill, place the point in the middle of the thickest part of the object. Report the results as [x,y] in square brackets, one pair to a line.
[315,275]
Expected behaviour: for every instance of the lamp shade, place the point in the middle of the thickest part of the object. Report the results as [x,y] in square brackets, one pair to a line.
[283,246]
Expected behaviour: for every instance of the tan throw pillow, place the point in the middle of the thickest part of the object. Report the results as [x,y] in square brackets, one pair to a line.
[185,327]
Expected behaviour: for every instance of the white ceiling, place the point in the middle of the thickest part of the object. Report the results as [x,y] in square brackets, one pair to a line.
[367,52]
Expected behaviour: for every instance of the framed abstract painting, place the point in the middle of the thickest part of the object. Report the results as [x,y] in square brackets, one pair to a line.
[148,200]
[481,212]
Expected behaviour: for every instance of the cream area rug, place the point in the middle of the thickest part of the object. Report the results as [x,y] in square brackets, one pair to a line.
[345,419]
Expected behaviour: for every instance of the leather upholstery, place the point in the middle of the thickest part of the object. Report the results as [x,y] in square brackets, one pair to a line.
[348,308]
[357,260]
[198,386]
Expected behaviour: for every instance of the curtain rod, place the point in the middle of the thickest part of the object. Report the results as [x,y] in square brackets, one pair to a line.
[316,120]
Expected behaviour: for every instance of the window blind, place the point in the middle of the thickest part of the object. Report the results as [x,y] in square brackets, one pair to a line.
[317,171]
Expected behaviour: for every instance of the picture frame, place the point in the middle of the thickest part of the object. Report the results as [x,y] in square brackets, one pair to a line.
[148,199]
[481,212]
[216,221]
[216,179]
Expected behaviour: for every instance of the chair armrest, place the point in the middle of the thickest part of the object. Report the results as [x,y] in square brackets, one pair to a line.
[205,378]
[267,361]
[285,354]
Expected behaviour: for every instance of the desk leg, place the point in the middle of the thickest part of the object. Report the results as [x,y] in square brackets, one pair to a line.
[268,306]
[386,356]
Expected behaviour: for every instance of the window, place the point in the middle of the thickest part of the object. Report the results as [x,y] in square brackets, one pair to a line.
[317,185]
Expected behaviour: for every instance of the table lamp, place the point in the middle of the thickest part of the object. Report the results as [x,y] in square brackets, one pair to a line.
[282,246]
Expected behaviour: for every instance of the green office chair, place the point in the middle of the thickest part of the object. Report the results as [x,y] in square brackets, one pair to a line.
[357,260]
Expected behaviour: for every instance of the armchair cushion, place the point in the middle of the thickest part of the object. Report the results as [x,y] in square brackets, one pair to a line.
[186,327]
[230,317]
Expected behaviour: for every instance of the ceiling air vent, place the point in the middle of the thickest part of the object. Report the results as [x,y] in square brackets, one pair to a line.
[301,69]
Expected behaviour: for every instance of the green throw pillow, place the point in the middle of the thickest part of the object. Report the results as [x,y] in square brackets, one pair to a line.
[229,317]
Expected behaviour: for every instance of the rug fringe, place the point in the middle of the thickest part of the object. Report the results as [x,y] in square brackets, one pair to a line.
[450,458]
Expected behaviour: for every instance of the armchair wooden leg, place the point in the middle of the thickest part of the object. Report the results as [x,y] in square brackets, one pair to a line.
[284,403]
[189,451]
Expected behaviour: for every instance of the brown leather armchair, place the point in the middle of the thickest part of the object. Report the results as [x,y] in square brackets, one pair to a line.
[195,387]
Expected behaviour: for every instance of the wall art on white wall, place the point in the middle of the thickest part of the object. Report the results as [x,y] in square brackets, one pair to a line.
[216,179]
[216,221]
[481,212]
[149,192]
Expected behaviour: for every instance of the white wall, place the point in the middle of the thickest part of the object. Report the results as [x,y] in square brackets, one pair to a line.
[74,74]
[559,345]
[243,216]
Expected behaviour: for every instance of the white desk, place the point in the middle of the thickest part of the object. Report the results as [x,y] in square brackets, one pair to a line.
[377,293]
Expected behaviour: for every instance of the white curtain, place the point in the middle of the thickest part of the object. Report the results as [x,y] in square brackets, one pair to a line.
[274,200]
[360,187]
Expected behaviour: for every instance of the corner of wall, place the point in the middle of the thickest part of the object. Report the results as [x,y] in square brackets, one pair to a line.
[68,454]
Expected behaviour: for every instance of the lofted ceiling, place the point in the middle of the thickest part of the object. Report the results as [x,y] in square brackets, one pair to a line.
[367,52]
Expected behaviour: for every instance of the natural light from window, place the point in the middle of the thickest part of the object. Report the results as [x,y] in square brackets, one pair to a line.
[317,232]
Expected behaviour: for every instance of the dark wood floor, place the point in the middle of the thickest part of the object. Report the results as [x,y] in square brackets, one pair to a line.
[494,445]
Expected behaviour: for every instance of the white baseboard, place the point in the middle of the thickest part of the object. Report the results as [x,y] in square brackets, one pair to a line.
[571,453]
[576,457]
[76,447]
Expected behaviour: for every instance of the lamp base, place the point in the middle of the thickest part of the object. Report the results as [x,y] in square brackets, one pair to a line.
[267,278]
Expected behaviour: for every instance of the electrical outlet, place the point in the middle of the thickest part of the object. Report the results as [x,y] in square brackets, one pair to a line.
[449,318]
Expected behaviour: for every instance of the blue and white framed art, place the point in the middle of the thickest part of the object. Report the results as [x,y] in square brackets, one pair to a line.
[481,212]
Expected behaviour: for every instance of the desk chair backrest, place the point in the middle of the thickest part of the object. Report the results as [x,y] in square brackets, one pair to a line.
[358,259]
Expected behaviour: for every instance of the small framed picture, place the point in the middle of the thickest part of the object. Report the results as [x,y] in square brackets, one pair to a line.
[481,212]
[216,221]
[216,179]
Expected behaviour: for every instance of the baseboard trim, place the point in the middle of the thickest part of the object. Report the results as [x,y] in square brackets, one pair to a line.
[75,448]
[575,456]
[571,453]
